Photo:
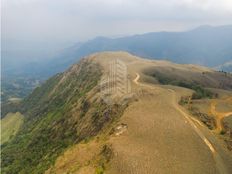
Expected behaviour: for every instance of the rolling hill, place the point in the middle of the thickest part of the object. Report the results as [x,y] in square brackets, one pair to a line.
[72,126]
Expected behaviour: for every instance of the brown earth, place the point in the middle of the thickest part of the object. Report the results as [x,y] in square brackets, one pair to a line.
[157,136]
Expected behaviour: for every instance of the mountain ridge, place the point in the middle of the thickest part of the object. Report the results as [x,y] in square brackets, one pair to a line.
[205,45]
[68,111]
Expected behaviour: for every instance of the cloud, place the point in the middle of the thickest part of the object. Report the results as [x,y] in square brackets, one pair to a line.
[74,20]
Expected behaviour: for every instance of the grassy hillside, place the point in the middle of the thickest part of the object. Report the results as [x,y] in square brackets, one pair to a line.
[192,78]
[10,126]
[63,111]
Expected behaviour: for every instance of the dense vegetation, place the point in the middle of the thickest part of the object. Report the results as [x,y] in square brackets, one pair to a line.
[61,112]
[205,118]
[199,93]
[9,107]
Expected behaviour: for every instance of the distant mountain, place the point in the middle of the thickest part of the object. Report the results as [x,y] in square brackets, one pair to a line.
[206,45]
[225,67]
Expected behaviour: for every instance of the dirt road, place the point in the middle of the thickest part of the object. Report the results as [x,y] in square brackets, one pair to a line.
[219,116]
[161,138]
[219,163]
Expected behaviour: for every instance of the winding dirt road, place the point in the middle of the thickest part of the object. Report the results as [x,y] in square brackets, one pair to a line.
[161,137]
[218,161]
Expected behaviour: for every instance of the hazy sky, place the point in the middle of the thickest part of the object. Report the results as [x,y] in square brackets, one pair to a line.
[78,20]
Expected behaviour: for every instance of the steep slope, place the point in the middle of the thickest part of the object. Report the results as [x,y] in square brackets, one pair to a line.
[65,110]
[69,127]
[10,126]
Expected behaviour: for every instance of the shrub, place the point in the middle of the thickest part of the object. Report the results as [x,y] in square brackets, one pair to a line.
[199,93]
[99,170]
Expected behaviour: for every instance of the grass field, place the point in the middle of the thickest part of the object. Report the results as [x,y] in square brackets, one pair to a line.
[10,125]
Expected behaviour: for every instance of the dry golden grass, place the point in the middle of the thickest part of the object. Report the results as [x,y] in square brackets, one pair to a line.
[79,159]
[158,138]
[10,124]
